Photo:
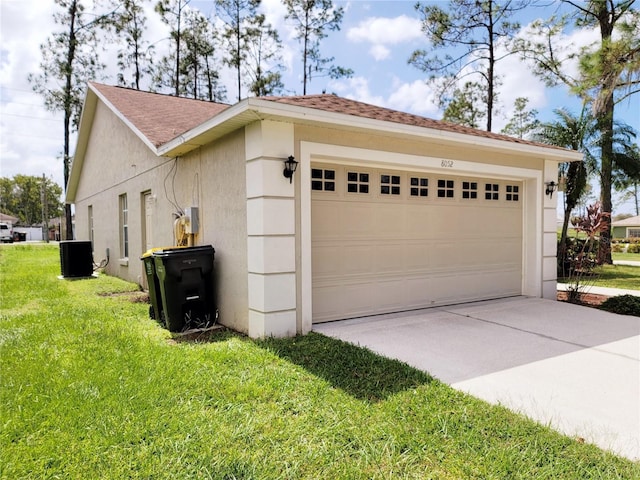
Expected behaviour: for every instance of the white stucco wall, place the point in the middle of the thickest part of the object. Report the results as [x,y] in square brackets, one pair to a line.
[211,178]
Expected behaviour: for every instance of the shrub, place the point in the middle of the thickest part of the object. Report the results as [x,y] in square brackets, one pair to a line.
[617,247]
[623,305]
[634,248]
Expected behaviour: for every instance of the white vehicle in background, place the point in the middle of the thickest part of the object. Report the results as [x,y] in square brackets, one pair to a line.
[6,232]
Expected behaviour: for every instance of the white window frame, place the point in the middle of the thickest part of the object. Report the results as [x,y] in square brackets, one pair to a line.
[635,230]
[124,226]
[90,215]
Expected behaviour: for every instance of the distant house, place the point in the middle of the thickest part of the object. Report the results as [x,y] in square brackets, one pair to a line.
[627,228]
[6,218]
[386,212]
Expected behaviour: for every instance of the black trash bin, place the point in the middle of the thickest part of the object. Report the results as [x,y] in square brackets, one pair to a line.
[185,276]
[155,309]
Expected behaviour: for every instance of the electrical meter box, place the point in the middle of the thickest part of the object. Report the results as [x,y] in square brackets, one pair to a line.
[193,225]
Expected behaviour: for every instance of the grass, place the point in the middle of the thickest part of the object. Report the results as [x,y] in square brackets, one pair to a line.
[91,388]
[633,257]
[616,276]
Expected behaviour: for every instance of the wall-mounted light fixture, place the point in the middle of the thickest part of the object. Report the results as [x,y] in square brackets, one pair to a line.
[551,187]
[290,166]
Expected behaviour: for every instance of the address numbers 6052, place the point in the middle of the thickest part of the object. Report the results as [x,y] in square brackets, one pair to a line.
[446,163]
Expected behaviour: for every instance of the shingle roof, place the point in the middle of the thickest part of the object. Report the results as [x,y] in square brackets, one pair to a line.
[627,222]
[160,118]
[333,103]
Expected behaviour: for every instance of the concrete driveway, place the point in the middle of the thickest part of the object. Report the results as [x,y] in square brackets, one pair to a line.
[571,367]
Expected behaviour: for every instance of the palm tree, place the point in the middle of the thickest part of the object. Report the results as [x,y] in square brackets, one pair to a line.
[582,134]
[627,179]
[577,133]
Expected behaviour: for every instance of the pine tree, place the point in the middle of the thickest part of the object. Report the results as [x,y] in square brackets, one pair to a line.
[312,19]
[237,15]
[262,64]
[474,30]
[609,73]
[70,59]
[136,54]
[465,106]
[168,71]
[523,122]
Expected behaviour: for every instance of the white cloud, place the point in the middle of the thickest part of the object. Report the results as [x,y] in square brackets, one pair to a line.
[384,32]
[356,88]
[415,97]
[274,12]
[30,137]
[565,45]
[379,52]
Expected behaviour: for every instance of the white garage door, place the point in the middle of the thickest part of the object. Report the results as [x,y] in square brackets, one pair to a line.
[386,241]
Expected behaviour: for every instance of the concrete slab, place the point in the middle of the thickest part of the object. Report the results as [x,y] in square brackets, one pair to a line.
[611,292]
[574,368]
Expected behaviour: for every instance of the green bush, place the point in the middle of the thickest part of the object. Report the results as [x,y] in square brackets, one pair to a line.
[634,248]
[623,305]
[617,247]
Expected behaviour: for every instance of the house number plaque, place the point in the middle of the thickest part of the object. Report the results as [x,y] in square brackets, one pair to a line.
[446,163]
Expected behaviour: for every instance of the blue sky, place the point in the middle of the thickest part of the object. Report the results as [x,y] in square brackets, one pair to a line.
[375,40]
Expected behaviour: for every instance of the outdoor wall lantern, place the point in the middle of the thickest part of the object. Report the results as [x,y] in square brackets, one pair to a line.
[290,166]
[551,187]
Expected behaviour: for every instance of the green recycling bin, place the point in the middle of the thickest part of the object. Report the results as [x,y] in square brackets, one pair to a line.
[185,277]
[155,309]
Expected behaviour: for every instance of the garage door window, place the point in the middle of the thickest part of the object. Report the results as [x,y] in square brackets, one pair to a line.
[445,188]
[419,187]
[469,190]
[357,182]
[513,193]
[491,191]
[323,180]
[390,184]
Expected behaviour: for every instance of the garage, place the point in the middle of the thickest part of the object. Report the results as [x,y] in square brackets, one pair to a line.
[390,240]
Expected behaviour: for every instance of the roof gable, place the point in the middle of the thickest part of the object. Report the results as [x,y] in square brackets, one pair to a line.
[627,222]
[159,118]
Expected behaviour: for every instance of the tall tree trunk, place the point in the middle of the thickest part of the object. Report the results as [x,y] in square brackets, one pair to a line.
[490,73]
[136,54]
[178,35]
[604,118]
[71,53]
[305,74]
[605,125]
[238,48]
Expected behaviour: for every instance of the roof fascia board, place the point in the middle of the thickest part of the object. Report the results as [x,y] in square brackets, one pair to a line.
[84,131]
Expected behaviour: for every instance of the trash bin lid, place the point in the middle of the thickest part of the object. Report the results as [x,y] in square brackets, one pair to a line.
[206,249]
[151,251]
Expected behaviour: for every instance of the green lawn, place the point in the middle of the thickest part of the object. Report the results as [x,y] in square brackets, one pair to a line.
[616,276]
[91,388]
[633,257]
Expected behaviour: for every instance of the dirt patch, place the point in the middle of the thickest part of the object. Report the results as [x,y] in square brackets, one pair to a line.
[198,335]
[586,299]
[133,297]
